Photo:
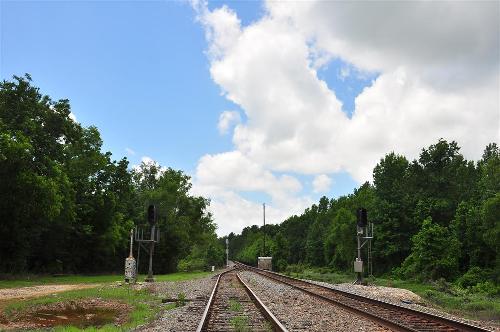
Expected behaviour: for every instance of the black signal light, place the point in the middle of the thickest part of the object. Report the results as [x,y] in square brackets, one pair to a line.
[152,214]
[362,217]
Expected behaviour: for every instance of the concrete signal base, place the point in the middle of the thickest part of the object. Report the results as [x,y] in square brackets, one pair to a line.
[265,263]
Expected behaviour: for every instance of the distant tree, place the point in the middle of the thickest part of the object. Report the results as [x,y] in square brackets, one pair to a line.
[439,181]
[392,212]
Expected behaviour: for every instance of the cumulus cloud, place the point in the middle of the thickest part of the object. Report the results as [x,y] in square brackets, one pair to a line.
[228,119]
[438,65]
[450,42]
[321,183]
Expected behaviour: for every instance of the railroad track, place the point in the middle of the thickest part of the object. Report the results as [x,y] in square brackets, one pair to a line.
[234,306]
[394,317]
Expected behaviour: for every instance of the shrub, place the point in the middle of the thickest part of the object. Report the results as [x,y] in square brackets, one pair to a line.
[192,264]
[472,277]
[486,287]
[433,253]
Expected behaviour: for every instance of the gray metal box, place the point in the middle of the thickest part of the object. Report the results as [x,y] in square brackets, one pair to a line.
[358,266]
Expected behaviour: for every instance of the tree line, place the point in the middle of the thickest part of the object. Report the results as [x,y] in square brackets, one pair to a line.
[434,217]
[66,206]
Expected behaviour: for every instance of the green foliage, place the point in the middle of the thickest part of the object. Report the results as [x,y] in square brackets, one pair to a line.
[433,253]
[338,248]
[66,206]
[434,217]
[181,300]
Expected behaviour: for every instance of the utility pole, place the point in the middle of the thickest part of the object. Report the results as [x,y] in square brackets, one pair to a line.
[264,228]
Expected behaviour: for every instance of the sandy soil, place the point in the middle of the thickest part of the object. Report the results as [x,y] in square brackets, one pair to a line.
[37,291]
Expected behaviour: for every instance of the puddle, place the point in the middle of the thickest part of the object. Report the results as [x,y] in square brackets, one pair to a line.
[79,317]
[81,314]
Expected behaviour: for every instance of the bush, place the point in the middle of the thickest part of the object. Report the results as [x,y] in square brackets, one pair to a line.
[295,268]
[433,253]
[486,287]
[472,277]
[192,265]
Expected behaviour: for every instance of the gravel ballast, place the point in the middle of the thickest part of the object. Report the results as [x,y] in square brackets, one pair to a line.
[184,318]
[401,297]
[299,311]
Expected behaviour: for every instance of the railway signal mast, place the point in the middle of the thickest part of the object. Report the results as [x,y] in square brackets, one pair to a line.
[227,252]
[142,237]
[264,262]
[364,235]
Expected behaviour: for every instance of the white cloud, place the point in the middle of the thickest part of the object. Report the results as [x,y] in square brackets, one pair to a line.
[451,42]
[72,116]
[228,119]
[438,64]
[233,171]
[321,183]
[130,151]
[233,212]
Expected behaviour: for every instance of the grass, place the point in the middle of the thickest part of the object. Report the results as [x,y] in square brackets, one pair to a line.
[331,277]
[240,324]
[445,296]
[144,304]
[234,305]
[451,298]
[33,280]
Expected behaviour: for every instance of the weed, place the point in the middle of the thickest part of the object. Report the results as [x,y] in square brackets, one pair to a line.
[181,300]
[240,324]
[234,305]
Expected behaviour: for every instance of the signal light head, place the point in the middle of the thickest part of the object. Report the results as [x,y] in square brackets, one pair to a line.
[152,214]
[362,217]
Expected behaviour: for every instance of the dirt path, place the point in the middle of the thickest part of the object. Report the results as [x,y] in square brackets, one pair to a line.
[37,291]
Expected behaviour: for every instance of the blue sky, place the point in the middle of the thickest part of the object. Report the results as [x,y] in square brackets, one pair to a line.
[137,71]
[140,72]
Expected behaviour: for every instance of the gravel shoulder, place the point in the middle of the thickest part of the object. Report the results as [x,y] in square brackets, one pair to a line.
[184,318]
[401,297]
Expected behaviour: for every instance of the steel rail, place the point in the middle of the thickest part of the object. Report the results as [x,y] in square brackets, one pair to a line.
[277,326]
[204,319]
[458,326]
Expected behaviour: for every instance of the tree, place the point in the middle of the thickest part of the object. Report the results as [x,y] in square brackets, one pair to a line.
[188,229]
[439,181]
[491,225]
[433,253]
[392,212]
[340,245]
